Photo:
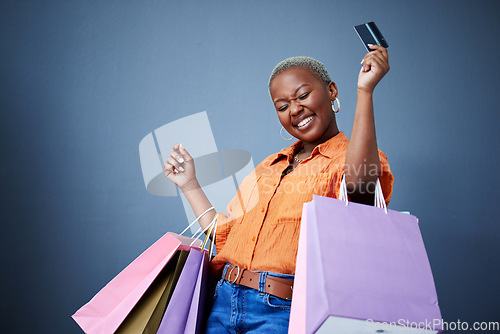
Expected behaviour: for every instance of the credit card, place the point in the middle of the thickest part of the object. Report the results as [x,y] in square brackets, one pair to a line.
[370,34]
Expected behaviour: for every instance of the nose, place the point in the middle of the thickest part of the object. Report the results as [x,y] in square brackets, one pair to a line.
[295,107]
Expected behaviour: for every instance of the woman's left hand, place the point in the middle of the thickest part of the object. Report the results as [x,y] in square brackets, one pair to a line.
[375,66]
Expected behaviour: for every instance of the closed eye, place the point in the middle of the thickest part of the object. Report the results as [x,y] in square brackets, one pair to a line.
[283,107]
[304,96]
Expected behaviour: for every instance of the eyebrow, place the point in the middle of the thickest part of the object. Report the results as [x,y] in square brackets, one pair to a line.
[303,85]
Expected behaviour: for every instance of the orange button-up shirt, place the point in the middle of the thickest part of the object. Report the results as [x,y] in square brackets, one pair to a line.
[261,229]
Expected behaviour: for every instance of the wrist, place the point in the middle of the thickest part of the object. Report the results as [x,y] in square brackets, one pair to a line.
[365,91]
[190,185]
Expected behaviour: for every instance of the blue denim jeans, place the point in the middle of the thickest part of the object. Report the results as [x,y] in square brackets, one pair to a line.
[238,309]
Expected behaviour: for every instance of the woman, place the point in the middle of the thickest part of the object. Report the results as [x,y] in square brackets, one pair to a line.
[257,241]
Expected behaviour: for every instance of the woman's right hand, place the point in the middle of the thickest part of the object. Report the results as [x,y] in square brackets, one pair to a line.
[180,168]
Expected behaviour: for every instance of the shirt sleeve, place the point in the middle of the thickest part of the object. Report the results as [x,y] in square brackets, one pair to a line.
[236,207]
[385,176]
[235,212]
[224,225]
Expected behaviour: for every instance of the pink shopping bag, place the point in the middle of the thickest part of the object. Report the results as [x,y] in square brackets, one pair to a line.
[361,270]
[109,307]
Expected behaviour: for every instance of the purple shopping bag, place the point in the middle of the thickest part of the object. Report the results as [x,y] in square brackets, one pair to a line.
[176,315]
[362,270]
[196,311]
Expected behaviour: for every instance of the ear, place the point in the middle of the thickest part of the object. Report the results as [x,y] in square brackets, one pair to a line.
[332,90]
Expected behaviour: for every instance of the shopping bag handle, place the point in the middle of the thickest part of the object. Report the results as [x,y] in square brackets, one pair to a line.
[212,229]
[379,195]
[212,240]
[194,221]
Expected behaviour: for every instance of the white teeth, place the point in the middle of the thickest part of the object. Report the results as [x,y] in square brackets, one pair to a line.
[304,122]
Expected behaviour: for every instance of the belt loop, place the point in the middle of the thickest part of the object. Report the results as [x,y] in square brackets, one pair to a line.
[224,273]
[262,282]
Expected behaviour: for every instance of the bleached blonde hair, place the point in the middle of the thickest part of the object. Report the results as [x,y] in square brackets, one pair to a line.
[312,64]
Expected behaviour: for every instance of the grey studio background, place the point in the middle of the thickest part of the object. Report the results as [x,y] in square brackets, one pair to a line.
[82,82]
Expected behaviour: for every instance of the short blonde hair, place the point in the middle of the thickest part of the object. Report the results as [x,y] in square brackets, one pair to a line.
[312,64]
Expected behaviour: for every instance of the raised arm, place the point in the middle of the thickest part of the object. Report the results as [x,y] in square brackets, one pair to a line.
[362,163]
[180,170]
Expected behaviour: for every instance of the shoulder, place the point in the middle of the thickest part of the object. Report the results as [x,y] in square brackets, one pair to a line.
[275,158]
[270,159]
[267,162]
[334,149]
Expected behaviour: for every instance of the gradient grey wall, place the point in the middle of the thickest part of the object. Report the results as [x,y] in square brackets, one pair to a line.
[82,82]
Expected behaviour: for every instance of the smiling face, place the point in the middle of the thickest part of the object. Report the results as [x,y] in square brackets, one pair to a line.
[304,105]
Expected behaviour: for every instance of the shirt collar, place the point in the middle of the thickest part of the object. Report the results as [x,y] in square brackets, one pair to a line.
[328,148]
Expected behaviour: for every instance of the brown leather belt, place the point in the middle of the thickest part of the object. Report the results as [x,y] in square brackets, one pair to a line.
[276,286]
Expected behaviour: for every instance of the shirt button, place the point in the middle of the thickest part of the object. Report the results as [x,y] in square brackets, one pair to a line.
[253,238]
[262,210]
[274,184]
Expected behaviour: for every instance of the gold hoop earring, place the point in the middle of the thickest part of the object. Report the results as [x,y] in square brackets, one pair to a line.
[281,134]
[338,105]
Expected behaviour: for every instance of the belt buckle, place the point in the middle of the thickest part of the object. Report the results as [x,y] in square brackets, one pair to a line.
[237,275]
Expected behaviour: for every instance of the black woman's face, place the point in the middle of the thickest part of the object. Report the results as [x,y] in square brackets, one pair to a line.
[303,103]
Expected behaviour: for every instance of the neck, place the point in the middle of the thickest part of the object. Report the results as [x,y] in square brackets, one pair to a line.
[331,132]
